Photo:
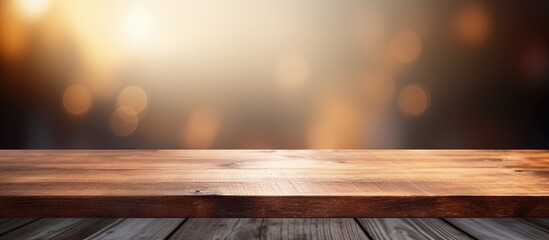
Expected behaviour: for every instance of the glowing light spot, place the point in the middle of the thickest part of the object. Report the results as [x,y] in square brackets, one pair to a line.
[103,85]
[13,37]
[33,8]
[77,99]
[202,128]
[133,97]
[405,46]
[292,72]
[414,100]
[95,36]
[139,25]
[473,24]
[124,121]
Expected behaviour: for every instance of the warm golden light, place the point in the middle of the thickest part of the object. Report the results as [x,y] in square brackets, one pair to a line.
[201,128]
[133,97]
[405,46]
[292,72]
[33,8]
[99,40]
[13,36]
[473,24]
[102,85]
[414,100]
[77,99]
[139,25]
[268,74]
[124,121]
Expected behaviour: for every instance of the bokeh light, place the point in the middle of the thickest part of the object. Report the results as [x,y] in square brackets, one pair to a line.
[77,99]
[405,46]
[124,121]
[133,97]
[103,85]
[292,71]
[33,8]
[473,24]
[14,38]
[139,25]
[201,128]
[414,100]
[99,40]
[273,74]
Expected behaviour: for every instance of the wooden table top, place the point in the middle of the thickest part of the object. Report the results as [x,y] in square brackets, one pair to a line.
[274,183]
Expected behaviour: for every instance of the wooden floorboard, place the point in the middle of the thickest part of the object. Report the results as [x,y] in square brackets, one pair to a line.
[9,224]
[505,228]
[71,228]
[271,228]
[128,229]
[540,223]
[411,228]
[274,183]
[277,228]
[220,228]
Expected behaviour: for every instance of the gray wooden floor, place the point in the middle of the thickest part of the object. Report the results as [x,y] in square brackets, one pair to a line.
[274,228]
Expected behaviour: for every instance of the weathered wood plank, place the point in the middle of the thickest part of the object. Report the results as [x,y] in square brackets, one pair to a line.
[220,228]
[410,228]
[541,223]
[269,228]
[499,229]
[311,228]
[137,229]
[71,228]
[8,224]
[216,183]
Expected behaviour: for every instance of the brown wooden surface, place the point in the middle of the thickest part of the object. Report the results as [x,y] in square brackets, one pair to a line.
[274,183]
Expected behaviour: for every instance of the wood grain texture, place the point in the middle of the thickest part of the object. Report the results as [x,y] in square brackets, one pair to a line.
[410,228]
[9,224]
[271,228]
[499,229]
[134,228]
[540,223]
[220,228]
[274,183]
[68,228]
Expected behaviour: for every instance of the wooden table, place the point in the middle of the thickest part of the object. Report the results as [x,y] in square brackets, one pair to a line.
[274,183]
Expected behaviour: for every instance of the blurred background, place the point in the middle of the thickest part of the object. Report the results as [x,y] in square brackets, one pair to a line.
[274,74]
